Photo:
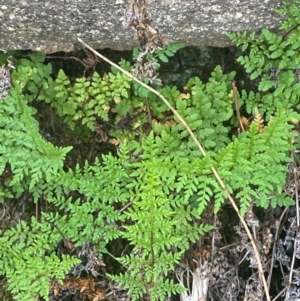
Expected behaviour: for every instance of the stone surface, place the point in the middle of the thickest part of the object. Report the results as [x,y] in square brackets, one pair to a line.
[54,25]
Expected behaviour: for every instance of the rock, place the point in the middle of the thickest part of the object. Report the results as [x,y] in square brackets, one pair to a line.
[54,25]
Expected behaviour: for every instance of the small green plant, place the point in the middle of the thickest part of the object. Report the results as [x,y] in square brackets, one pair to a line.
[86,100]
[159,219]
[28,260]
[274,60]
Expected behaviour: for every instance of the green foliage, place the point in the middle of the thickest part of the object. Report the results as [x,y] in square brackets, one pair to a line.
[162,54]
[92,218]
[86,100]
[152,193]
[7,56]
[30,157]
[274,59]
[206,109]
[168,51]
[28,260]
[248,163]
[159,219]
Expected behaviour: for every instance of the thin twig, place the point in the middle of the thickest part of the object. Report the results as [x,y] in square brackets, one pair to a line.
[295,172]
[126,206]
[149,112]
[203,152]
[296,195]
[275,245]
[116,259]
[237,108]
[287,33]
[279,294]
[213,239]
[3,211]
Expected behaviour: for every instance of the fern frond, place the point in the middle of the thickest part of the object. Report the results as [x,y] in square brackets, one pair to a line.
[259,121]
[245,122]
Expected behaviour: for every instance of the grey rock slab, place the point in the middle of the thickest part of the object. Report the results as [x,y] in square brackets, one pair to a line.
[54,25]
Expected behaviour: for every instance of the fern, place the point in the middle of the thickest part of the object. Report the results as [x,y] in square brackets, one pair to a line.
[160,220]
[274,59]
[30,157]
[251,159]
[153,191]
[94,218]
[26,264]
[259,121]
[206,111]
